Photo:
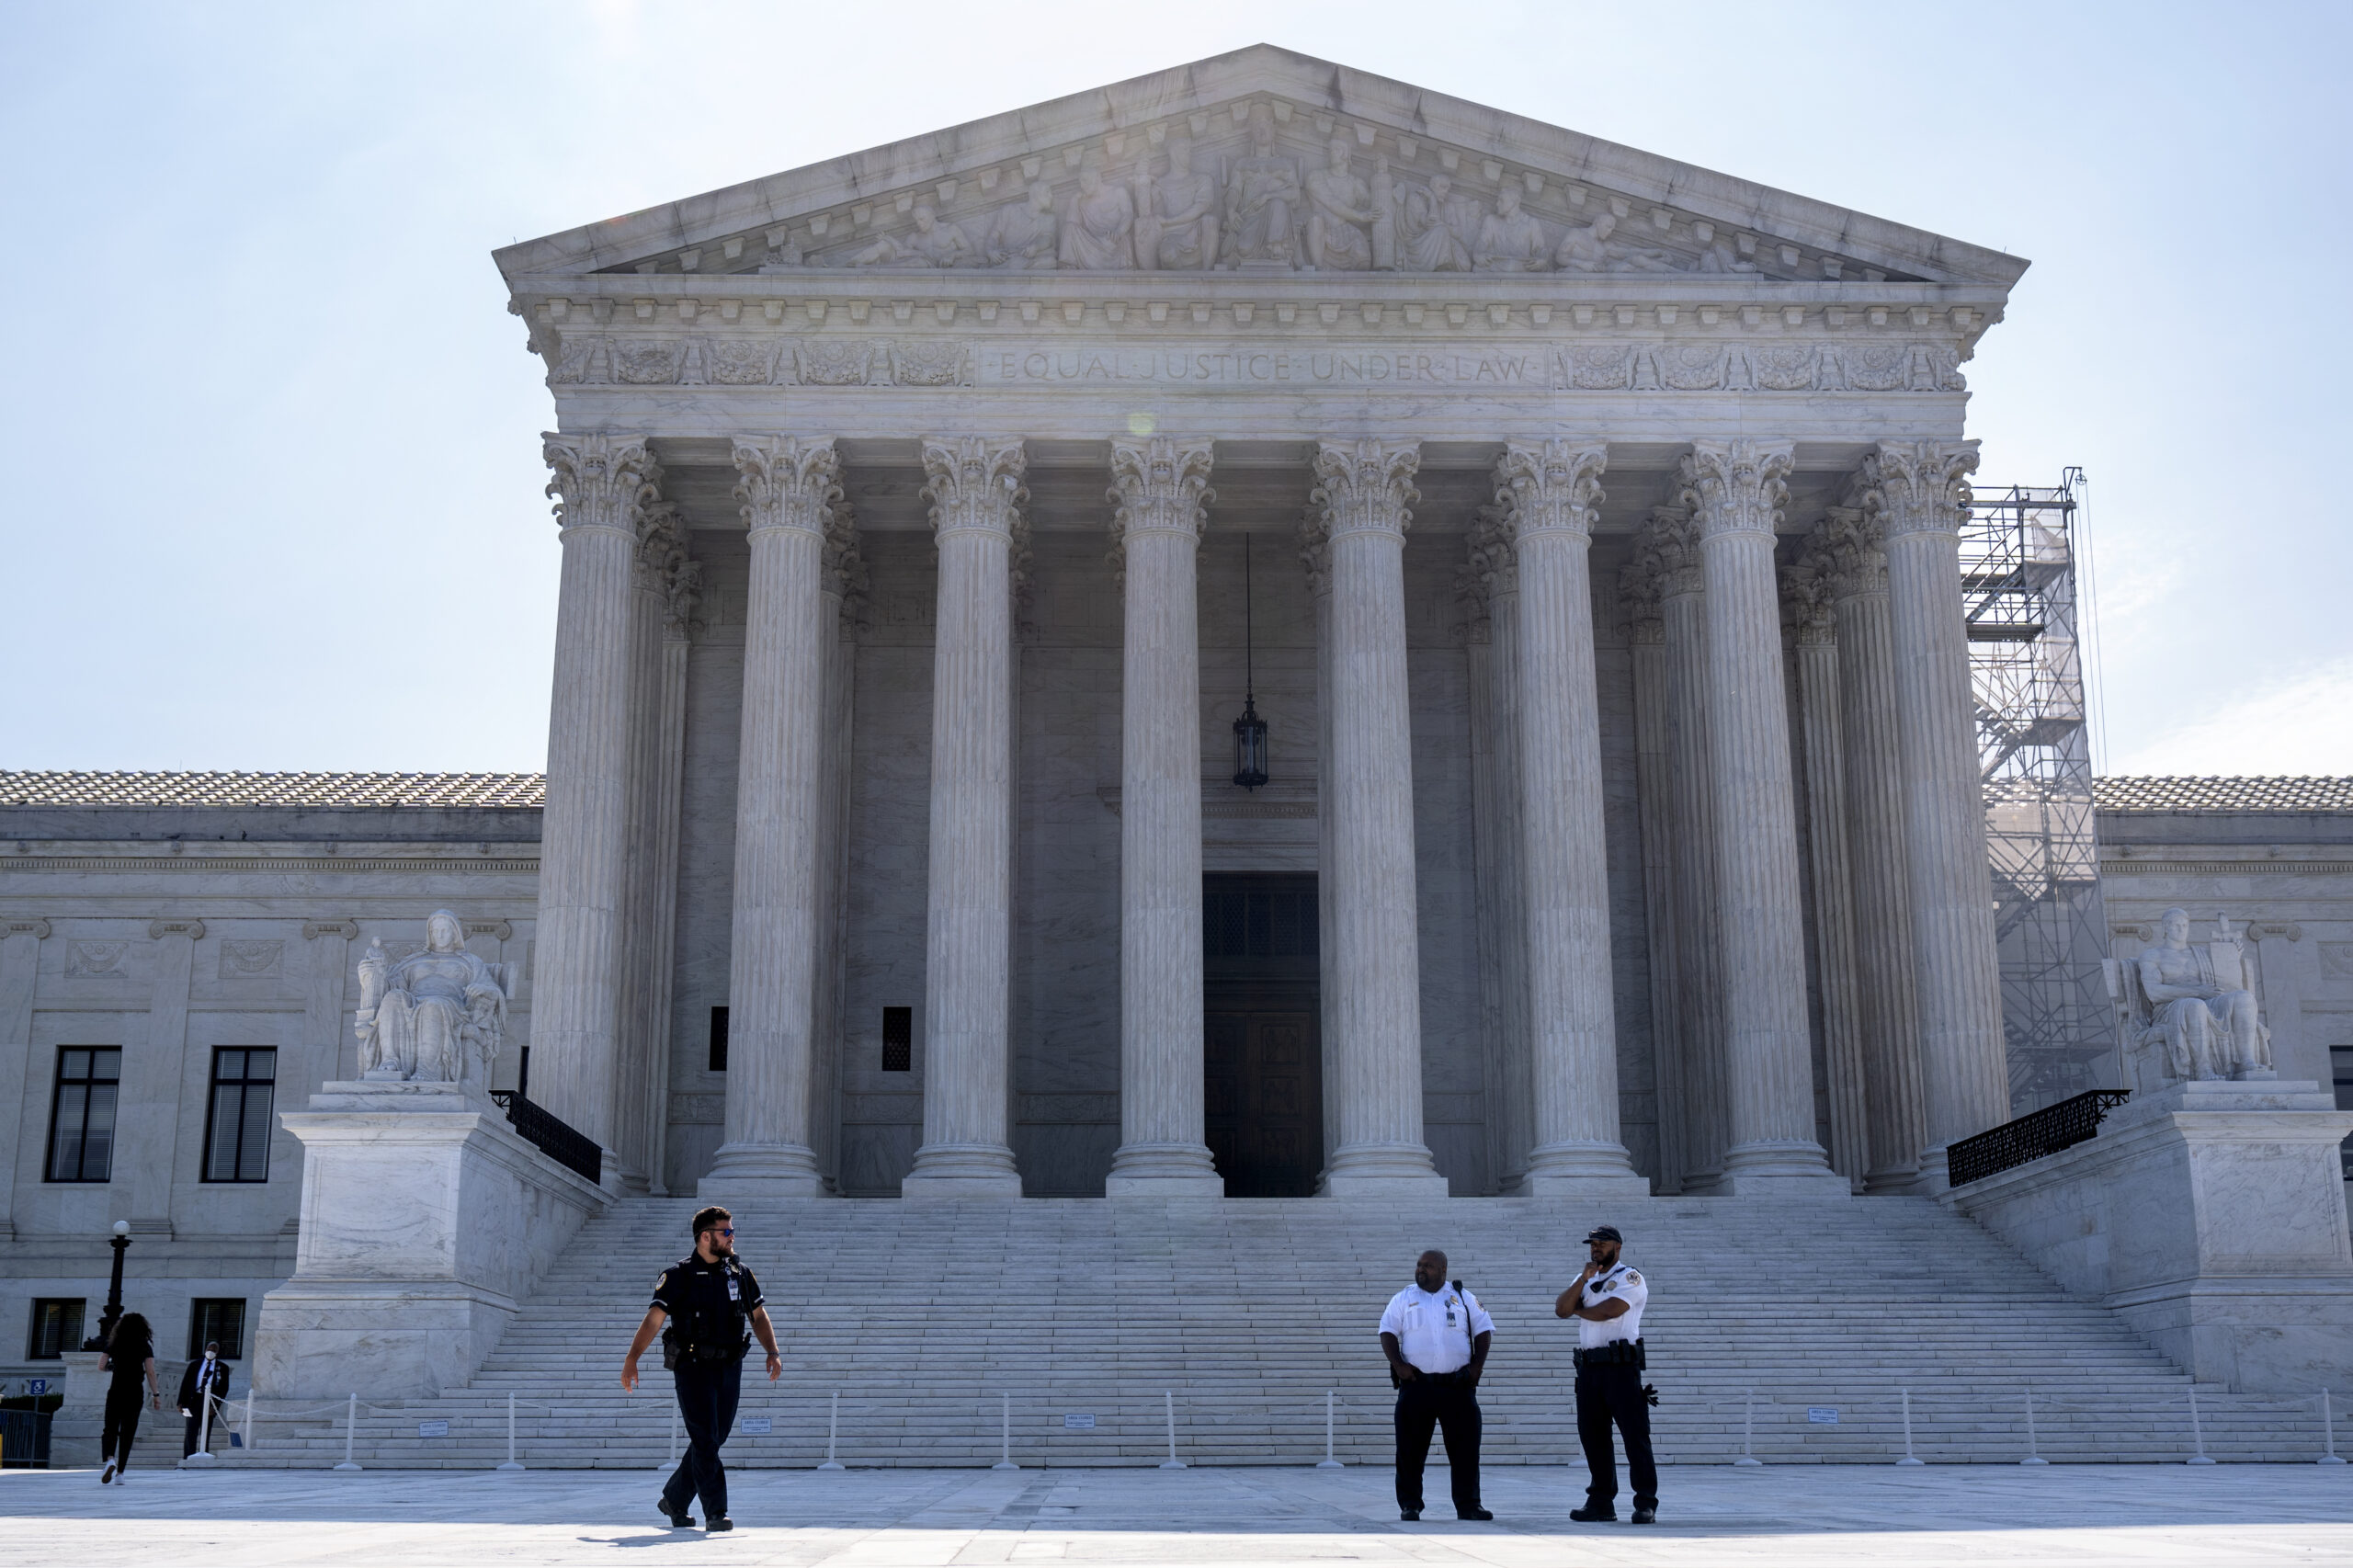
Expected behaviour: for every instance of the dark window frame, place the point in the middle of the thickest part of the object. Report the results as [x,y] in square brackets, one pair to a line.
[88,1082]
[898,1040]
[232,1344]
[245,1084]
[719,1038]
[65,1340]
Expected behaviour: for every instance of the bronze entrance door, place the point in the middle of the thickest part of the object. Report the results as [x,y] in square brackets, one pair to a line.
[1264,1051]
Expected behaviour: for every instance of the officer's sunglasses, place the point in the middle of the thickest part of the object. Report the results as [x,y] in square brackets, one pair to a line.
[722,1230]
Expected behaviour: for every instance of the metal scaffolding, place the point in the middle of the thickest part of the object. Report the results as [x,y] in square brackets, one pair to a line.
[2018,577]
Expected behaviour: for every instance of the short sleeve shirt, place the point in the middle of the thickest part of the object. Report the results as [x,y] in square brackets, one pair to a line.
[706,1287]
[1434,1328]
[1618,1284]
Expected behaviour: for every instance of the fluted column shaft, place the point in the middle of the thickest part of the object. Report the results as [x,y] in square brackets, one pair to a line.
[975,491]
[1316,559]
[1162,495]
[632,1102]
[1874,783]
[669,800]
[603,482]
[1653,791]
[1964,1056]
[1829,861]
[1365,488]
[844,604]
[1691,812]
[789,488]
[1551,491]
[1739,488]
[1493,575]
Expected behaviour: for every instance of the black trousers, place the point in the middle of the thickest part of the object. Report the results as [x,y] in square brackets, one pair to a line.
[123,1405]
[1615,1393]
[1452,1407]
[708,1392]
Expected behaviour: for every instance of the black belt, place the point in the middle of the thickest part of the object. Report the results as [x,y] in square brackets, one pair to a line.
[1440,1380]
[1617,1353]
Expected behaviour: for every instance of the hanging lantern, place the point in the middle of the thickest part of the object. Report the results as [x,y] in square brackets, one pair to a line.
[1249,731]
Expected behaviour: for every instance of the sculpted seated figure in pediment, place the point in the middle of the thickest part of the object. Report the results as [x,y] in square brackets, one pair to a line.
[1100,235]
[1262,201]
[1340,215]
[1431,221]
[1176,215]
[1591,249]
[1511,240]
[933,243]
[1025,237]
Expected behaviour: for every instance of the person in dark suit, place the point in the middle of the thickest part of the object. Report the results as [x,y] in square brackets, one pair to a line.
[204,1379]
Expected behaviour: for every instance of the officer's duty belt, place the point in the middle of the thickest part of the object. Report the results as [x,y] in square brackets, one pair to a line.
[1617,1353]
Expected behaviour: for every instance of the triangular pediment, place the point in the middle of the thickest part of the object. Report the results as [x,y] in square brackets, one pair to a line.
[1417,184]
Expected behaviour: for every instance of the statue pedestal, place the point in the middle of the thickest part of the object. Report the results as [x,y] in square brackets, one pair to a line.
[425,1219]
[2211,1217]
[80,1421]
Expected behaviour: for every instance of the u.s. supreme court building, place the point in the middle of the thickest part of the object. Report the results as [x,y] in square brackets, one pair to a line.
[1256,633]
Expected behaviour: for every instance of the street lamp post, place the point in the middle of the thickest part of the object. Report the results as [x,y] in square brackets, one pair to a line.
[106,1320]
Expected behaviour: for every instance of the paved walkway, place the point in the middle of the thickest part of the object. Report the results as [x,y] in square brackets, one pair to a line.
[2085,1515]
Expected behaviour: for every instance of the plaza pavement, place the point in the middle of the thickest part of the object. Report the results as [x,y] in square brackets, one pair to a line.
[2084,1516]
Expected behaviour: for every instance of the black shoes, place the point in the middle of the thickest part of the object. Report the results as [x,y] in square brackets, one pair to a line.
[722,1523]
[1591,1514]
[1645,1516]
[1472,1514]
[680,1521]
[1410,1516]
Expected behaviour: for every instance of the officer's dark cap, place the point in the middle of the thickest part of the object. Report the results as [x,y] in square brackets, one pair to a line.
[1605,1234]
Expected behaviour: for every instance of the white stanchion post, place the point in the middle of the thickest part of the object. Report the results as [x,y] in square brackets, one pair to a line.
[2327,1433]
[1748,1427]
[2033,1451]
[832,1430]
[2197,1430]
[1173,1462]
[1327,1461]
[204,1423]
[1909,1458]
[1005,1434]
[350,1425]
[246,1432]
[511,1464]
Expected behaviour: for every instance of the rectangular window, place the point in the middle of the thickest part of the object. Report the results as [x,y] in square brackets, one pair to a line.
[57,1327]
[217,1320]
[81,1117]
[237,1139]
[898,1040]
[719,1040]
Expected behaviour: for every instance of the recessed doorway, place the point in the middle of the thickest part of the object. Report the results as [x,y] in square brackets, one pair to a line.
[1263,1054]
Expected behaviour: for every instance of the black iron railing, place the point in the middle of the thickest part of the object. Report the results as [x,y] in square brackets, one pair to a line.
[2045,1131]
[555,1138]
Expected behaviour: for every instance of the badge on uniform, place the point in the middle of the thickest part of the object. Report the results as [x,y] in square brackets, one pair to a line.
[735,1291]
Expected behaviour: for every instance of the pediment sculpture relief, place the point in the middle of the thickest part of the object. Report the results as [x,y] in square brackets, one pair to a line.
[434,1015]
[1179,203]
[2187,1011]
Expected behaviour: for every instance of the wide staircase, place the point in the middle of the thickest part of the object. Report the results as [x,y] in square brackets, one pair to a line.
[1070,1332]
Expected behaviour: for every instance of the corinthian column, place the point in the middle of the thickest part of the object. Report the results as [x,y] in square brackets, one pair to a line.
[1490,589]
[1364,488]
[1161,489]
[976,495]
[1738,487]
[636,1135]
[1851,539]
[1918,487]
[603,485]
[1672,538]
[1550,493]
[789,488]
[1639,582]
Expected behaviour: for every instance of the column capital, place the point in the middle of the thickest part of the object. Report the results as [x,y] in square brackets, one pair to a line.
[1641,581]
[1736,486]
[787,483]
[845,574]
[1315,549]
[1490,567]
[1553,487]
[1670,538]
[1806,600]
[601,481]
[973,484]
[1161,484]
[1365,486]
[1920,486]
[1851,548]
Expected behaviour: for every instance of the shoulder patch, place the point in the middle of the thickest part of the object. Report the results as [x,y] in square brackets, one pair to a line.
[1632,1278]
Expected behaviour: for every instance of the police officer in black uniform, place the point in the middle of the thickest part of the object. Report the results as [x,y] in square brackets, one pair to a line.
[1606,1301]
[713,1307]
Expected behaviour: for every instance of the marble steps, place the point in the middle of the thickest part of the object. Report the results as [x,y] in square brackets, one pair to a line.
[1248,1311]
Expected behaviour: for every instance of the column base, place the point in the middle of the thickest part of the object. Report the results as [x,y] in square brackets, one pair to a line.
[1581,1170]
[953,1171]
[1383,1170]
[1897,1181]
[1164,1170]
[759,1173]
[1793,1167]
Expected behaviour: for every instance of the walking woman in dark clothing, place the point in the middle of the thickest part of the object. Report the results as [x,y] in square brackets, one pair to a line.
[130,1359]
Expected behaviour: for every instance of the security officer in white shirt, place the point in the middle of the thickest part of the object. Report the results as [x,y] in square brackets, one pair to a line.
[1607,1300]
[1436,1335]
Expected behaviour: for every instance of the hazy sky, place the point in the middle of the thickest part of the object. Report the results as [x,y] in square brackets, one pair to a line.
[277,496]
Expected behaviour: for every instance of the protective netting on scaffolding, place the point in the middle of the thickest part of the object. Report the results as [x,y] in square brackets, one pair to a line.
[2021,551]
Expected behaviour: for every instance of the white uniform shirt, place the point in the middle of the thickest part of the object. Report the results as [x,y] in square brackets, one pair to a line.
[1620,1283]
[1434,1329]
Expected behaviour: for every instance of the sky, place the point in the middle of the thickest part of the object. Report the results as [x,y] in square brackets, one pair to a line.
[254,321]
